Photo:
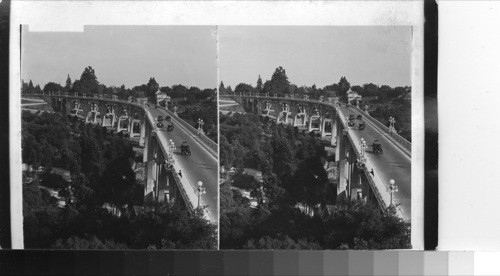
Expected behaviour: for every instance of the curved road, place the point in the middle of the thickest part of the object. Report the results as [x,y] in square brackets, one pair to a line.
[394,163]
[200,166]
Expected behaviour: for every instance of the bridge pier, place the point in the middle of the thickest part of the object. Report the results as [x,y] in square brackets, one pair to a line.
[160,185]
[150,159]
[333,141]
[109,119]
[142,137]
[123,124]
[315,123]
[135,128]
[77,110]
[92,114]
[326,127]
[342,162]
[300,120]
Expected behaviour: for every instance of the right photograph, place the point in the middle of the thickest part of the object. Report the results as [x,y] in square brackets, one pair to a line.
[315,128]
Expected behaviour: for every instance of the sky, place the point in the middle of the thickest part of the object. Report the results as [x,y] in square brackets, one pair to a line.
[318,55]
[127,55]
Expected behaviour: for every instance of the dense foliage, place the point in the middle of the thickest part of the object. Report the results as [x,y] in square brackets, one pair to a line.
[102,202]
[297,206]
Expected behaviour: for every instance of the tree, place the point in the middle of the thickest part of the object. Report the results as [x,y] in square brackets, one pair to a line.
[283,156]
[344,86]
[93,242]
[67,87]
[285,243]
[88,80]
[370,89]
[152,87]
[243,88]
[40,214]
[24,87]
[52,87]
[31,88]
[38,90]
[52,180]
[310,182]
[168,227]
[235,217]
[222,89]
[361,226]
[259,84]
[118,184]
[278,84]
[77,87]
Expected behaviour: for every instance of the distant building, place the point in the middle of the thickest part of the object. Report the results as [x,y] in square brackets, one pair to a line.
[353,96]
[162,98]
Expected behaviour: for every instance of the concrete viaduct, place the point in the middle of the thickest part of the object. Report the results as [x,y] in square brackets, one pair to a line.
[362,174]
[163,163]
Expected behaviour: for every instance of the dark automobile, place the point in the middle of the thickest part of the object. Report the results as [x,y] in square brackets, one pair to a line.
[185,150]
[361,126]
[377,147]
[159,124]
[170,127]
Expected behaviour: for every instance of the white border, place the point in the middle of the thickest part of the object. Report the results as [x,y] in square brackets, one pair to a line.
[72,15]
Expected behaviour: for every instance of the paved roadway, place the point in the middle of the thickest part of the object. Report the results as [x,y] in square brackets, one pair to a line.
[201,165]
[392,164]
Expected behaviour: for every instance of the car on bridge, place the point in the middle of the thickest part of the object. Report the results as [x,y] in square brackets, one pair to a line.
[377,147]
[185,150]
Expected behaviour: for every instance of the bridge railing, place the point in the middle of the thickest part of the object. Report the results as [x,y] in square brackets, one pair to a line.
[185,188]
[163,144]
[376,183]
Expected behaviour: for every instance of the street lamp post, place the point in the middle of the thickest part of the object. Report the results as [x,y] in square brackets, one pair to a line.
[200,126]
[391,126]
[363,148]
[392,189]
[200,191]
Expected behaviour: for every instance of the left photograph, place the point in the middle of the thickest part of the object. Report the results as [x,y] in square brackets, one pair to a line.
[119,138]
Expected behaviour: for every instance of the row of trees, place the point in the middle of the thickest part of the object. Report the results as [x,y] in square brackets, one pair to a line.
[89,84]
[103,200]
[280,85]
[297,206]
